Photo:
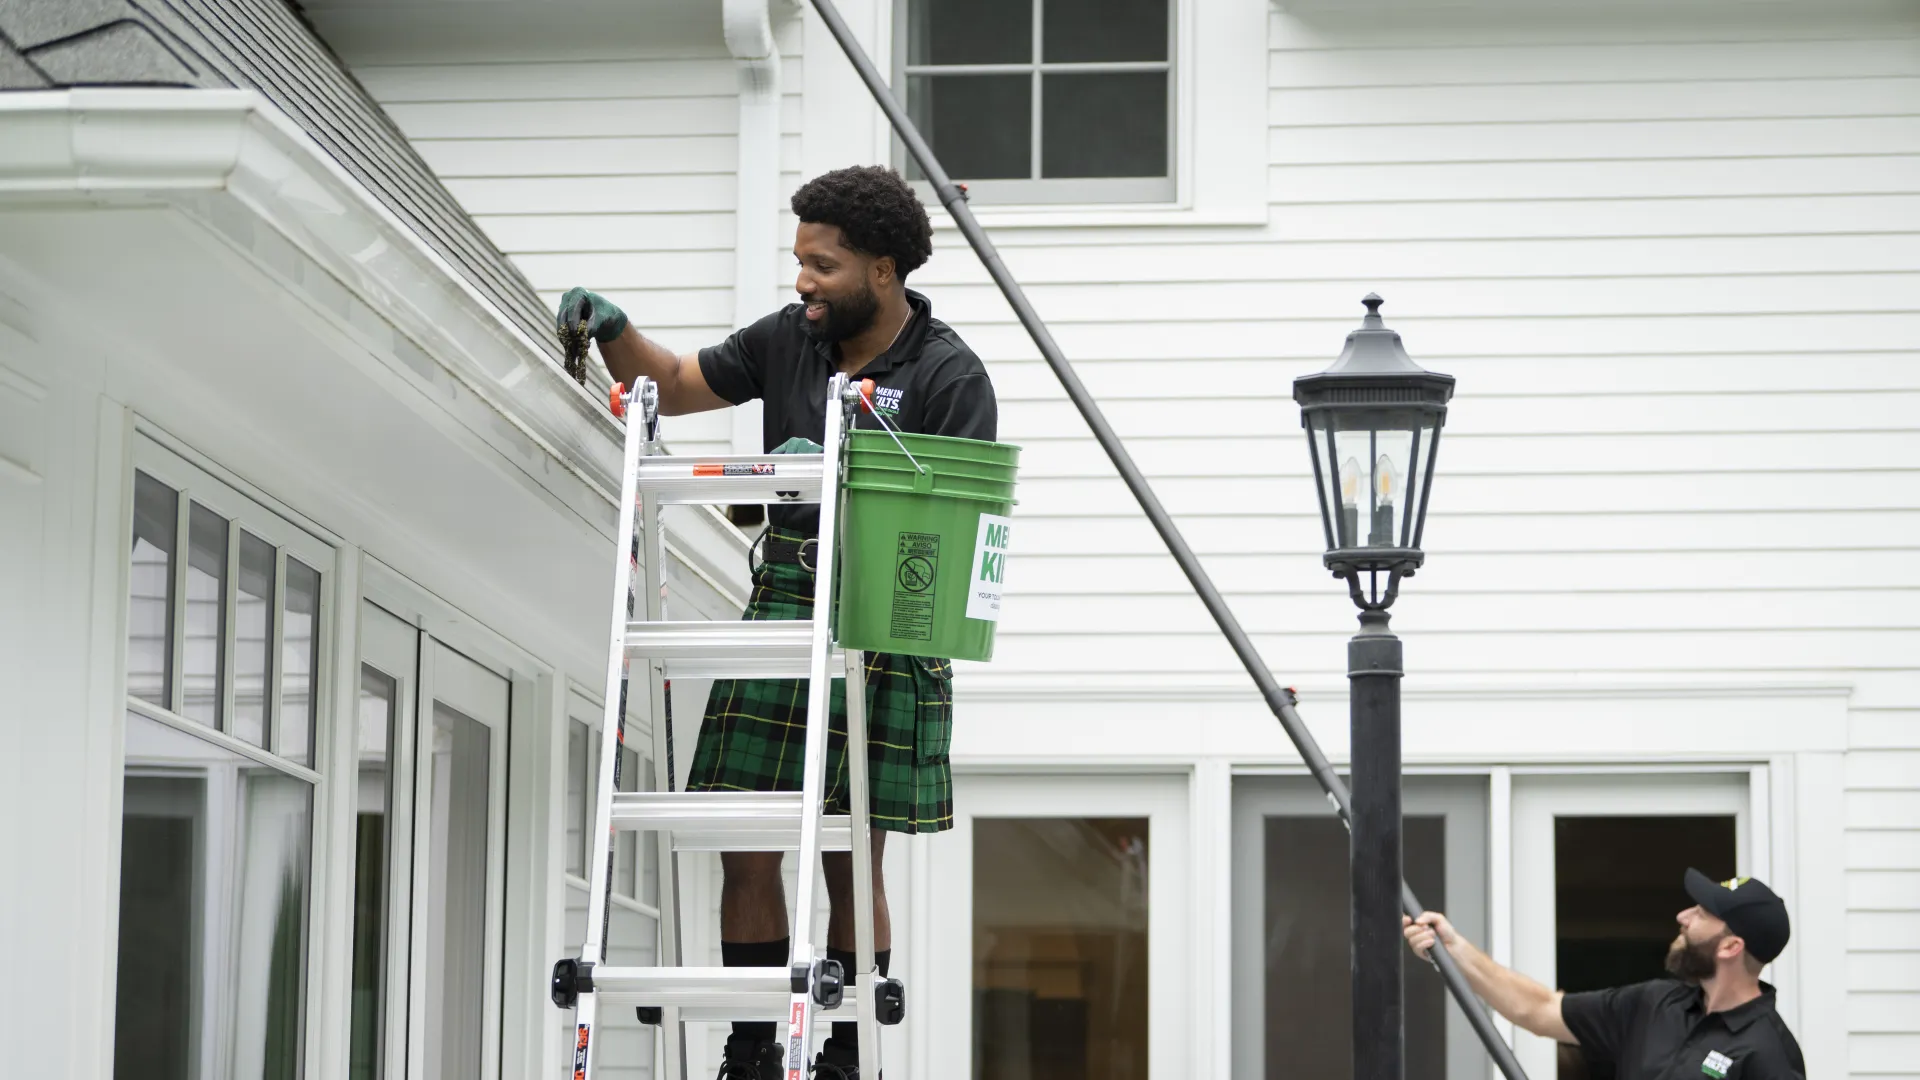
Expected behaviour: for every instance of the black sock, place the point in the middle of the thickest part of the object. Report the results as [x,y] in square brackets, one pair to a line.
[848,1034]
[756,954]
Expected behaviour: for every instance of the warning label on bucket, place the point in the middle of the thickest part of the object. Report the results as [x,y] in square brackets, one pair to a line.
[915,572]
[989,568]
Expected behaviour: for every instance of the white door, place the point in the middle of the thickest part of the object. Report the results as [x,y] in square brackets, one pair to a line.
[1061,938]
[1598,862]
[433,731]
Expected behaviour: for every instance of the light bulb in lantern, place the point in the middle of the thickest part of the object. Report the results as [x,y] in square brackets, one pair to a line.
[1386,481]
[1350,502]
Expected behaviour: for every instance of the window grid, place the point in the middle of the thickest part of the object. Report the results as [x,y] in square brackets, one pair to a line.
[193,493]
[1038,68]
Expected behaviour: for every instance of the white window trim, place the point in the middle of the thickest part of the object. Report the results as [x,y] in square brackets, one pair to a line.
[1157,191]
[1220,124]
[157,453]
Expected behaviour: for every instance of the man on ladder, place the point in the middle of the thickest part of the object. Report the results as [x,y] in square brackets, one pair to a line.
[861,232]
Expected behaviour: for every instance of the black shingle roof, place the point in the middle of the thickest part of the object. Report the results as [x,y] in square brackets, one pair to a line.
[265,45]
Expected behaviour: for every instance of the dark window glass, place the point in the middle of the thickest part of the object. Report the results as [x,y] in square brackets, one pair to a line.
[373,795]
[1060,948]
[1086,31]
[156,521]
[300,654]
[204,654]
[970,31]
[1103,125]
[980,126]
[253,640]
[1309,940]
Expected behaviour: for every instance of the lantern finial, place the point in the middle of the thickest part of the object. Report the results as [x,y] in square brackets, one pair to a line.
[1373,302]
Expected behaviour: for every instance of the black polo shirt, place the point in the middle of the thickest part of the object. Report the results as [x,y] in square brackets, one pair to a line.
[927,382]
[1660,1030]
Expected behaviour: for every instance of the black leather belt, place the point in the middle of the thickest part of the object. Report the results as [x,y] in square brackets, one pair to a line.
[799,553]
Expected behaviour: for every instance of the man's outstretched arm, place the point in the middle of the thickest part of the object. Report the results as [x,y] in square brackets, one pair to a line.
[629,354]
[1528,1004]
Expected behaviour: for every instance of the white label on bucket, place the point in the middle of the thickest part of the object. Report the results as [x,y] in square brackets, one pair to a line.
[989,568]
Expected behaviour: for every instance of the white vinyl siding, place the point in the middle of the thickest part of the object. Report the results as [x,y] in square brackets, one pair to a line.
[1670,255]
[616,173]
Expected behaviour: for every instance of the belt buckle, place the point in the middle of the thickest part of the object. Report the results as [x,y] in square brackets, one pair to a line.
[800,555]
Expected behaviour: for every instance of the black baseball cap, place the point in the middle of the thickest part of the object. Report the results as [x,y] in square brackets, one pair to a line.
[1748,907]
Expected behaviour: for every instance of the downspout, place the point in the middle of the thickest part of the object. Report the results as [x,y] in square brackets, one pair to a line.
[748,27]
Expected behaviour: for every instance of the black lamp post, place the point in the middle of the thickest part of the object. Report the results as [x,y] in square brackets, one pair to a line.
[1373,427]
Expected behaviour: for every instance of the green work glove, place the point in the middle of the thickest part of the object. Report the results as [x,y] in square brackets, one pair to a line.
[799,445]
[604,321]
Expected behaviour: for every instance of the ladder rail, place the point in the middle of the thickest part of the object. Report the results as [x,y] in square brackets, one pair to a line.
[670,1035]
[612,736]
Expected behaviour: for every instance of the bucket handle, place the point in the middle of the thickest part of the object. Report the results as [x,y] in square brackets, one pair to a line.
[923,476]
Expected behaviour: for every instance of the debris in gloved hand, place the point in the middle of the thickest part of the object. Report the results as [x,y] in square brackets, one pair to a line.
[574,339]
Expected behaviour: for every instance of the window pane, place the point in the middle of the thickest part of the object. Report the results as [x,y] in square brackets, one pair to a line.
[372,841]
[1307,927]
[300,646]
[636,774]
[1079,31]
[1060,948]
[1104,125]
[203,660]
[156,517]
[580,781]
[970,31]
[980,126]
[253,639]
[457,893]
[213,897]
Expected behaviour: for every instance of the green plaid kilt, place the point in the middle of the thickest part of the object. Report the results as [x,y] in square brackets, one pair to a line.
[754,734]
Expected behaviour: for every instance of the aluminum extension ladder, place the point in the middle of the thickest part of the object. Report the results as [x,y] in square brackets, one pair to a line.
[811,988]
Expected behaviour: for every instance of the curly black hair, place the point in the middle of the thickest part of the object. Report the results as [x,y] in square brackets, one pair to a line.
[875,210]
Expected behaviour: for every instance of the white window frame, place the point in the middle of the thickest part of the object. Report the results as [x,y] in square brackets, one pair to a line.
[1037,190]
[1540,795]
[1220,153]
[942,913]
[194,482]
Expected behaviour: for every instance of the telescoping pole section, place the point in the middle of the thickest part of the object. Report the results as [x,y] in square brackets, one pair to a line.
[1280,699]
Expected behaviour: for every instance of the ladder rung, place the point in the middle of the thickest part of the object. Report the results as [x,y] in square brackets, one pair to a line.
[731,649]
[712,993]
[728,820]
[765,478]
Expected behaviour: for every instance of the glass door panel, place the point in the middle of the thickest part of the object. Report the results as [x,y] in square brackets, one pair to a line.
[1292,975]
[459,843]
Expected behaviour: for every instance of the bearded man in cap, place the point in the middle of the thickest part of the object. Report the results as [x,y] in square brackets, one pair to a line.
[1714,1019]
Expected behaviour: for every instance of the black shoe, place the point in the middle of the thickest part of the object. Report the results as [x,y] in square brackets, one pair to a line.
[747,1058]
[837,1062]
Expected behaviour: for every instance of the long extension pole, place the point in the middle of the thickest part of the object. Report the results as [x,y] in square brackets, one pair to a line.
[1280,699]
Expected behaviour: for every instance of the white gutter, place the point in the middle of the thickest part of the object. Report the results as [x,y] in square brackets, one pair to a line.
[202,151]
[748,27]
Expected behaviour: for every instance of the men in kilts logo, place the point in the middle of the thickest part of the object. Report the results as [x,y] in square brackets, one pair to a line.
[861,232]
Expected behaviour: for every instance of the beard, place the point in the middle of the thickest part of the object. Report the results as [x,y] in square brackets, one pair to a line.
[844,318]
[1693,961]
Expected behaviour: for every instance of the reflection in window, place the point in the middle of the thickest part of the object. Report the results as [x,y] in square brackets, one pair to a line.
[1060,948]
[299,658]
[204,656]
[253,639]
[1308,932]
[580,783]
[456,922]
[213,899]
[372,842]
[156,518]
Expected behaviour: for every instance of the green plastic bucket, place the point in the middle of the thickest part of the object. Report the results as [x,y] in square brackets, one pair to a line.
[925,549]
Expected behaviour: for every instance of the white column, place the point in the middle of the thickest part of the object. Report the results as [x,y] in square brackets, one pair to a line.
[756,214]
